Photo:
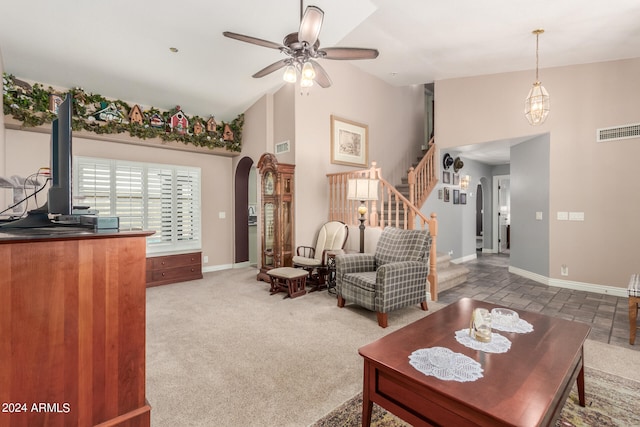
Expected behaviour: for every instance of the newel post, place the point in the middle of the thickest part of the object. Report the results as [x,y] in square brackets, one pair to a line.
[373,211]
[412,185]
[433,258]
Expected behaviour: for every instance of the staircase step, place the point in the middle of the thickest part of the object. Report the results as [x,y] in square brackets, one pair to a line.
[451,276]
[442,260]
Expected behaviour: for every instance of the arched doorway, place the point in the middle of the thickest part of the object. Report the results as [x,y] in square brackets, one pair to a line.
[241,221]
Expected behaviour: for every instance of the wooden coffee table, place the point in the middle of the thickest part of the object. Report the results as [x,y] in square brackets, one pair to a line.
[526,386]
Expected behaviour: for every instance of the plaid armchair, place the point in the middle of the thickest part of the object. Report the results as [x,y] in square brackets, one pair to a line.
[394,277]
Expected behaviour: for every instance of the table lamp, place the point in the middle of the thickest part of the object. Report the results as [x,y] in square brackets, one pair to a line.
[362,189]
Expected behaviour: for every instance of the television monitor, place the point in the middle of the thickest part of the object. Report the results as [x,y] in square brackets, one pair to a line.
[59,200]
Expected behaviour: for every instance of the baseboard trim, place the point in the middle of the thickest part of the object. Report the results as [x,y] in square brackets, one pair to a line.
[570,284]
[220,267]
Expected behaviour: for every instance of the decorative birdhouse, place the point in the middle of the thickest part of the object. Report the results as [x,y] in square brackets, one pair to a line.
[212,126]
[135,115]
[156,121]
[179,122]
[228,133]
[109,113]
[197,128]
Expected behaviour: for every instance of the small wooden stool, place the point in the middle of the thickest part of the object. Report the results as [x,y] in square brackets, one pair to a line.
[634,300]
[289,279]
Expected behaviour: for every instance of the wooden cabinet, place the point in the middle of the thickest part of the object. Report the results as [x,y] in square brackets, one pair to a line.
[72,329]
[165,269]
[277,214]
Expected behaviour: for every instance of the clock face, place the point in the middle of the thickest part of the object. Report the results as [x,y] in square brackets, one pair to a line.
[268,183]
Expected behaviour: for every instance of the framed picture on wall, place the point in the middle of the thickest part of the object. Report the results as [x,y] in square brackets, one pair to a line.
[456,197]
[446,194]
[456,179]
[463,198]
[349,142]
[440,194]
[446,177]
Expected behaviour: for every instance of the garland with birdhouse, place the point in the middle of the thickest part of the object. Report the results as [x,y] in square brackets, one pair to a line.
[35,105]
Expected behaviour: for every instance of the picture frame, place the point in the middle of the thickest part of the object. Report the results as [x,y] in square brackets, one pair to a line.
[456,179]
[440,193]
[463,198]
[446,194]
[456,197]
[446,177]
[349,142]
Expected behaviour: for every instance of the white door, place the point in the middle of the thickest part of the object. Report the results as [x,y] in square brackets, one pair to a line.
[504,215]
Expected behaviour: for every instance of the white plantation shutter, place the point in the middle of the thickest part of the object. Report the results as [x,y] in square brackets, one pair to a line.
[162,198]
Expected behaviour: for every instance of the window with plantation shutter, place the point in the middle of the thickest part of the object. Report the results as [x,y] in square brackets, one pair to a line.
[162,198]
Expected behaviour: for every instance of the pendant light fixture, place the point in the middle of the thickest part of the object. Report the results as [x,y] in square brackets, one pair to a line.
[536,106]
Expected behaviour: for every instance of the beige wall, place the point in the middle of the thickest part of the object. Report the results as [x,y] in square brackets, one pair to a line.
[395,116]
[27,151]
[598,179]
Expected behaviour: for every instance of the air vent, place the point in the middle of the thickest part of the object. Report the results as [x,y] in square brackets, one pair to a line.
[282,147]
[616,133]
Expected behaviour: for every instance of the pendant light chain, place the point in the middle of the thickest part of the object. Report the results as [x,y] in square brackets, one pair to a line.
[537,37]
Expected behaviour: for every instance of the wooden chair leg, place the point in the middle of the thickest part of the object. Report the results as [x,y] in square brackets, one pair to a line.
[340,301]
[633,318]
[382,319]
[423,305]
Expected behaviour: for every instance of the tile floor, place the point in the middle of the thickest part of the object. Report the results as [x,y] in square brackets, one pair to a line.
[489,280]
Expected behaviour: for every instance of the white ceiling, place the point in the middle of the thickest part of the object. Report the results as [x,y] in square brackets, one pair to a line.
[120,48]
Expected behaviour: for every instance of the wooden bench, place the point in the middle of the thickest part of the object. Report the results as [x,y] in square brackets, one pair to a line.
[288,279]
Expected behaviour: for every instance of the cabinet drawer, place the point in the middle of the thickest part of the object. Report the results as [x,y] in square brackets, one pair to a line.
[170,261]
[163,270]
[177,274]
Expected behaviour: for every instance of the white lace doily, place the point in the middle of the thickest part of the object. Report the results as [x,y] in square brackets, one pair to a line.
[521,327]
[498,343]
[444,364]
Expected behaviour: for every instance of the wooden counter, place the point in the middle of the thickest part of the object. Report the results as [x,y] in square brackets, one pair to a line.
[72,328]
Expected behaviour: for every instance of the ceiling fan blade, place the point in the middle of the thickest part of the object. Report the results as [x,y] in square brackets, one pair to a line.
[252,40]
[310,25]
[271,68]
[322,78]
[348,53]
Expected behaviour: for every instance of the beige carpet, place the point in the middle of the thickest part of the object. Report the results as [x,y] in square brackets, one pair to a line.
[611,401]
[221,351]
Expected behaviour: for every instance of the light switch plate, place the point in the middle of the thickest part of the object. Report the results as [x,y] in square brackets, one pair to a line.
[576,216]
[563,216]
[539,216]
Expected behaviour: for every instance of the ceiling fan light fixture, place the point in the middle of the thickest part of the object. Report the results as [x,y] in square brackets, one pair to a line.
[290,74]
[536,106]
[306,83]
[308,72]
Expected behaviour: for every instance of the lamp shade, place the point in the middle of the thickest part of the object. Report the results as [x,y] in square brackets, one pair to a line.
[536,106]
[362,189]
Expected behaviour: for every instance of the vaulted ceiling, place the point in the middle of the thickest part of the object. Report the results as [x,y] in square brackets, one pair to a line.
[121,48]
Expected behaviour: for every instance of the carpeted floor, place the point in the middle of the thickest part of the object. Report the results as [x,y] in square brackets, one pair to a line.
[222,351]
[610,401]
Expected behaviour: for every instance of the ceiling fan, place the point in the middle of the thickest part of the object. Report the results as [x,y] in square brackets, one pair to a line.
[303,49]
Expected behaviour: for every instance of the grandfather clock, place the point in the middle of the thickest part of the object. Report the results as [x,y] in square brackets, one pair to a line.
[276,214]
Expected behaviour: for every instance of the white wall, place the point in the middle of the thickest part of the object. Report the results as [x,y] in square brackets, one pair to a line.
[585,176]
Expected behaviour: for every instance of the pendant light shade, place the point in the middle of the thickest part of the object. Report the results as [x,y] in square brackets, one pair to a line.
[536,106]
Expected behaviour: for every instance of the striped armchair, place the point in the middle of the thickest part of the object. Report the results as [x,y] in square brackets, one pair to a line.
[394,277]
